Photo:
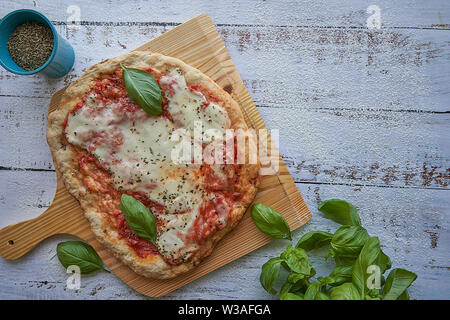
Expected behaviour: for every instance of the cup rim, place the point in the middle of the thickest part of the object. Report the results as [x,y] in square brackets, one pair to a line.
[55,42]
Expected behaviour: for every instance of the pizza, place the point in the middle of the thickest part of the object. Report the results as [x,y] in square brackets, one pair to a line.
[105,145]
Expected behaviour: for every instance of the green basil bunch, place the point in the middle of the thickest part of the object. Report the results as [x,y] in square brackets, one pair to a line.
[359,261]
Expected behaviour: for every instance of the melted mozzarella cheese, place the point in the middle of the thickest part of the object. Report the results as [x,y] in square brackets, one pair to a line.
[136,149]
[186,106]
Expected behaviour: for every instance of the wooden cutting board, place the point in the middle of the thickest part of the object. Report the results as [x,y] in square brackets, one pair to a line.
[197,43]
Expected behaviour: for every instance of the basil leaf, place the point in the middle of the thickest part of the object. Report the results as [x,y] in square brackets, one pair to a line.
[404,296]
[384,262]
[285,266]
[80,254]
[348,241]
[340,211]
[296,282]
[270,222]
[383,280]
[369,256]
[346,291]
[269,274]
[373,294]
[338,276]
[286,287]
[340,261]
[297,260]
[312,291]
[295,278]
[138,217]
[321,296]
[290,296]
[314,240]
[397,282]
[143,89]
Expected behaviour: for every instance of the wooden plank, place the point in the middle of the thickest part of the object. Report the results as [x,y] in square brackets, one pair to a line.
[412,91]
[351,13]
[391,70]
[397,149]
[343,147]
[413,232]
[405,86]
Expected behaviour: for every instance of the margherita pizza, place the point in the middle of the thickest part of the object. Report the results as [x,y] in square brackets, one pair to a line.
[105,145]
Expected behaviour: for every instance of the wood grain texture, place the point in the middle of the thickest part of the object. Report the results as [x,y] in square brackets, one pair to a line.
[197,43]
[363,115]
[401,76]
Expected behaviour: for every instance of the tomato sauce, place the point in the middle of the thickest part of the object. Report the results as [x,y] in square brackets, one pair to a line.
[99,180]
[213,216]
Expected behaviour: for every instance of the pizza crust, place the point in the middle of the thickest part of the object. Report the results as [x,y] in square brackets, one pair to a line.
[65,161]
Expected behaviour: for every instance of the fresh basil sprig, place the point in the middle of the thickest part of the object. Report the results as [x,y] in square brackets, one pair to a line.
[80,254]
[143,89]
[351,245]
[138,217]
[294,260]
[270,222]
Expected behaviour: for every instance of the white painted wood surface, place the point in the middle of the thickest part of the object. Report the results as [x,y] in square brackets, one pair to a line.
[363,115]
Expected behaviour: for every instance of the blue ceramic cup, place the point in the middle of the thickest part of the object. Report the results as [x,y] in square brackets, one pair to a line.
[61,59]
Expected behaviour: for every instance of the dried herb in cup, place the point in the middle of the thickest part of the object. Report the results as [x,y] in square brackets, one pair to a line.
[31,44]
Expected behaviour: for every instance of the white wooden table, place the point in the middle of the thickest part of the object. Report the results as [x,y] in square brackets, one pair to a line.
[363,115]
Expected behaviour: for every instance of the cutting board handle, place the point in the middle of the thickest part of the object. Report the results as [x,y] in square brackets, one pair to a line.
[63,216]
[18,239]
